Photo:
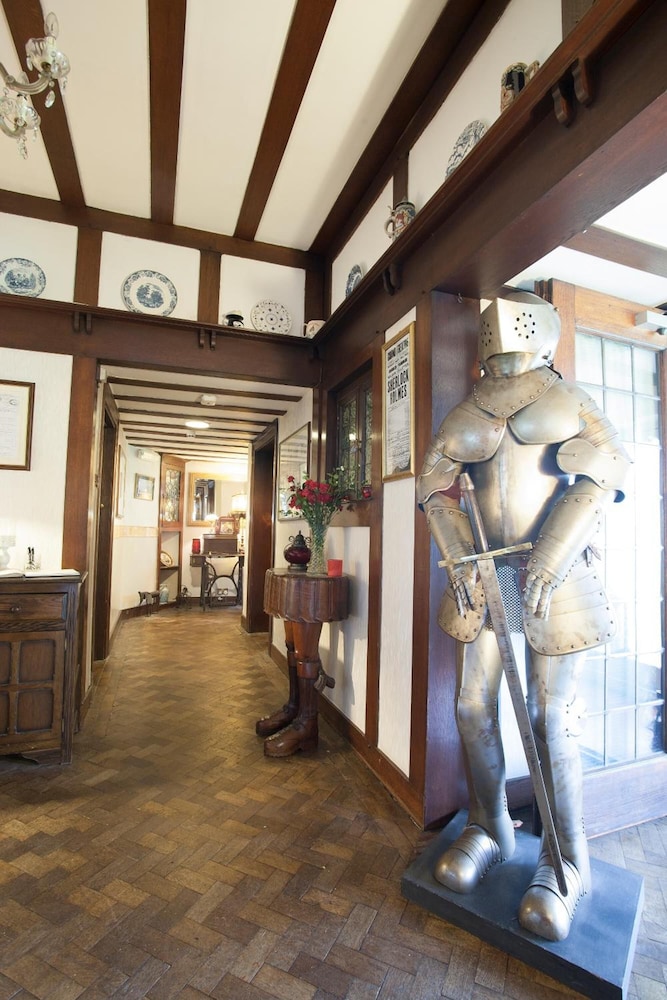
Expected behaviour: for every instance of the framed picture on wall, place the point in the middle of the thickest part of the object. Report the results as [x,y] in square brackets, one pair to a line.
[144,487]
[293,460]
[16,406]
[398,431]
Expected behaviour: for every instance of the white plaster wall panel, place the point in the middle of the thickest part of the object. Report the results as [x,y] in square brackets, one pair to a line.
[34,175]
[35,499]
[344,645]
[395,691]
[368,59]
[227,77]
[244,283]
[395,696]
[527,31]
[122,255]
[366,245]
[107,96]
[51,245]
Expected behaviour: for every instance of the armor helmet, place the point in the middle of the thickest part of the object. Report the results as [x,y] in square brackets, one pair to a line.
[521,323]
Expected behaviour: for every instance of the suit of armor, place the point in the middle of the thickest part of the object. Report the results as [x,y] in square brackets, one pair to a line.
[544,461]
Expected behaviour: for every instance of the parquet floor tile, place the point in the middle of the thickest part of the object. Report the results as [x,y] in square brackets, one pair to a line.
[172,859]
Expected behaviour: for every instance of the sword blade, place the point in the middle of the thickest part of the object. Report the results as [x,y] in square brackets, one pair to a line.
[486,568]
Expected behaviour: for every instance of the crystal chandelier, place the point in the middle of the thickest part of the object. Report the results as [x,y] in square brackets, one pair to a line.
[17,114]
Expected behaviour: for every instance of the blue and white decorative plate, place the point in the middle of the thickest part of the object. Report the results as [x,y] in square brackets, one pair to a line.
[149,292]
[270,317]
[19,276]
[353,279]
[470,136]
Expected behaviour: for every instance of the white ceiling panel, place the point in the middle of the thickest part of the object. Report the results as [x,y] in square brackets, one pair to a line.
[107,101]
[229,70]
[361,64]
[643,216]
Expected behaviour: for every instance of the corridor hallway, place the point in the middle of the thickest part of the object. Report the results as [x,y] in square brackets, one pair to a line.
[172,859]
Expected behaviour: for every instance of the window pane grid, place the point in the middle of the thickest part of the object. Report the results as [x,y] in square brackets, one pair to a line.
[624,684]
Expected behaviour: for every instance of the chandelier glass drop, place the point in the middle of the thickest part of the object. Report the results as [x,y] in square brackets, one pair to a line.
[18,117]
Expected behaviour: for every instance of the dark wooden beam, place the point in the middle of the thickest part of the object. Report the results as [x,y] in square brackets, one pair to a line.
[196,405]
[209,286]
[26,20]
[87,274]
[166,36]
[608,245]
[115,337]
[457,35]
[222,391]
[128,225]
[302,46]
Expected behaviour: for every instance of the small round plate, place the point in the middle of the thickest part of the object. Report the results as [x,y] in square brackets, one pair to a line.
[149,292]
[270,317]
[165,559]
[353,279]
[470,136]
[19,276]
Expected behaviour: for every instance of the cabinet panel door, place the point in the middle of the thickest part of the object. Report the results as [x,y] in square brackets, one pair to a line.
[31,688]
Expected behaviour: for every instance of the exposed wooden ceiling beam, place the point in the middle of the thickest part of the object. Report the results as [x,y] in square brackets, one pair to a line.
[26,20]
[209,389]
[203,410]
[166,35]
[611,246]
[179,416]
[306,33]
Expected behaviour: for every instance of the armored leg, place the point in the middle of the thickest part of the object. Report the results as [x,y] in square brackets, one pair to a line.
[551,703]
[489,834]
[273,723]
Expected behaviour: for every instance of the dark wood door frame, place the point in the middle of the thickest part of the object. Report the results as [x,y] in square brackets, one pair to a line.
[259,556]
[105,522]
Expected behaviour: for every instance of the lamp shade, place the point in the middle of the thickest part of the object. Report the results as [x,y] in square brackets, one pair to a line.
[239,503]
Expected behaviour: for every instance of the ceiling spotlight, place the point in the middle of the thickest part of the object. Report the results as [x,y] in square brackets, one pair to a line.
[198,425]
[207,399]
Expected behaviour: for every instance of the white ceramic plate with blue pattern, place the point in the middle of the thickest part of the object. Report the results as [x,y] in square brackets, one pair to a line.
[149,292]
[469,138]
[19,276]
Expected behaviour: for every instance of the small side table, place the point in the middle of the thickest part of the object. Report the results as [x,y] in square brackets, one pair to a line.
[305,602]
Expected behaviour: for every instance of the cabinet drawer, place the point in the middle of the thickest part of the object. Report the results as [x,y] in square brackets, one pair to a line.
[33,607]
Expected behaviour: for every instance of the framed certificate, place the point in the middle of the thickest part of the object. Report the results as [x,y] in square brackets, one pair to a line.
[16,406]
[398,447]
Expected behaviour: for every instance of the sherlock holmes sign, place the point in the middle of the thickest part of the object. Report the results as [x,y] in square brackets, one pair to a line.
[398,422]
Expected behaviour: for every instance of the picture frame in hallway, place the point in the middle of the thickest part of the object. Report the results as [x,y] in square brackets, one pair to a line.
[398,434]
[293,460]
[144,487]
[120,484]
[17,401]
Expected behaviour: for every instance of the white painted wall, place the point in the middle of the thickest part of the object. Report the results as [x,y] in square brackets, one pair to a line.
[34,500]
[395,696]
[527,31]
[50,245]
[245,283]
[366,245]
[135,536]
[123,255]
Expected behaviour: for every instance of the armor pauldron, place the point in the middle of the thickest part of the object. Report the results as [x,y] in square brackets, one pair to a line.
[469,434]
[554,417]
[606,469]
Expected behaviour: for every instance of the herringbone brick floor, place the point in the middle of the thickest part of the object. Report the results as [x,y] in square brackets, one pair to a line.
[172,859]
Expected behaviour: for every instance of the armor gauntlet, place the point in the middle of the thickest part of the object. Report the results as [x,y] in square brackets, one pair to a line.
[563,539]
[451,532]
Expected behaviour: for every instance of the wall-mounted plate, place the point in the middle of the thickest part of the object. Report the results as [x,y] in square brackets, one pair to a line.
[470,136]
[149,292]
[270,317]
[19,276]
[353,279]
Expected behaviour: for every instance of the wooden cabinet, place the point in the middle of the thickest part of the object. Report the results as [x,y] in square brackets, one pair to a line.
[38,665]
[172,489]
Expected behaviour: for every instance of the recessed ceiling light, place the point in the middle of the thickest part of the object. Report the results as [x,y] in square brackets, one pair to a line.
[199,425]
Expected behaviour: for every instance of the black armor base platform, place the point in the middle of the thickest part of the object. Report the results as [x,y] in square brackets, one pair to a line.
[595,959]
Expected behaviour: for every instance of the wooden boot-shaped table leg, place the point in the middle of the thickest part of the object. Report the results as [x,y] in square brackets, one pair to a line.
[302,733]
[270,724]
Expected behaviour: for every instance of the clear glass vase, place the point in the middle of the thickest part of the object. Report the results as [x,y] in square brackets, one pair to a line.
[317,565]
